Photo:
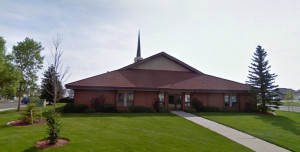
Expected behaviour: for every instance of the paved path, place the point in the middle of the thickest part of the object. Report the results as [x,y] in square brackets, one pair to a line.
[9,105]
[249,141]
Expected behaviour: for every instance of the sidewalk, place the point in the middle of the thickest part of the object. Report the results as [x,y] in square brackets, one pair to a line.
[249,141]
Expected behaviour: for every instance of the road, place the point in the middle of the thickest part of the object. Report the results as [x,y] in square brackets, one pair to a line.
[9,105]
[292,108]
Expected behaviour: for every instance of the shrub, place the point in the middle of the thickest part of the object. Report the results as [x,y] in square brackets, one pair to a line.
[110,108]
[90,110]
[26,116]
[210,109]
[197,105]
[164,110]
[123,111]
[80,108]
[98,103]
[229,110]
[141,109]
[66,100]
[74,108]
[69,107]
[54,126]
[190,110]
[156,105]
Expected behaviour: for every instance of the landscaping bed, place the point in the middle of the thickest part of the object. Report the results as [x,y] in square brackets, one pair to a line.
[21,123]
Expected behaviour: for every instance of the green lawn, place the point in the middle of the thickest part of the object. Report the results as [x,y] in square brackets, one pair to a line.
[118,132]
[291,103]
[282,130]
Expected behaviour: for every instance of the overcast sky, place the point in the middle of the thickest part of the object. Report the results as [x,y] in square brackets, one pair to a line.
[215,37]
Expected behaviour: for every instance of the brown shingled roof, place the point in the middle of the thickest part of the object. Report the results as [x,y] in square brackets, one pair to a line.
[133,79]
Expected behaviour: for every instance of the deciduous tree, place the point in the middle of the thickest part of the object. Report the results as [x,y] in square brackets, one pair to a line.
[61,70]
[27,56]
[9,74]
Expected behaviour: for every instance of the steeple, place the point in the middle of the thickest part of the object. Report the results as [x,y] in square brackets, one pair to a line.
[138,53]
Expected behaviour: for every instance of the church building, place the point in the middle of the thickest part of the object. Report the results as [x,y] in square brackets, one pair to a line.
[164,78]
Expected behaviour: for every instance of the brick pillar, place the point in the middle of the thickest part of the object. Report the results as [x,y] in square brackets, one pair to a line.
[182,101]
[166,100]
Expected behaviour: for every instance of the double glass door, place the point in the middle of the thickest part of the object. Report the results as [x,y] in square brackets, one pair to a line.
[175,102]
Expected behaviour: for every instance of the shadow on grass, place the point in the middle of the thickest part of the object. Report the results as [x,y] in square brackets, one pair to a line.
[283,122]
[31,149]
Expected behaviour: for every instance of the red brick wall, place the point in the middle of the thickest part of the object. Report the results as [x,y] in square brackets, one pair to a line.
[216,100]
[88,96]
[203,97]
[244,98]
[145,98]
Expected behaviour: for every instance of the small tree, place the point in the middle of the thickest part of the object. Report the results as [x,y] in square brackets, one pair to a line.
[54,126]
[289,98]
[156,105]
[30,115]
[59,69]
[27,56]
[261,80]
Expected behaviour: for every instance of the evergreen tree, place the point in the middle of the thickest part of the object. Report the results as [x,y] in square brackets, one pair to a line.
[262,80]
[47,91]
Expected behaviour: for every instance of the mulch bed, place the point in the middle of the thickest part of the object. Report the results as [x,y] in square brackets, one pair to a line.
[44,143]
[20,123]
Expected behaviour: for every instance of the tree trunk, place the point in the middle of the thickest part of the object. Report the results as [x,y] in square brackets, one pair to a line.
[19,100]
[55,96]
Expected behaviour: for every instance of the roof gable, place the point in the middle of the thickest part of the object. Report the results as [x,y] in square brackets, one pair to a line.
[161,61]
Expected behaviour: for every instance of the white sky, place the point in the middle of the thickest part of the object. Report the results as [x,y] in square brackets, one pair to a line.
[216,37]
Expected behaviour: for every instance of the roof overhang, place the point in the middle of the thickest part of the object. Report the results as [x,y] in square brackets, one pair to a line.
[155,89]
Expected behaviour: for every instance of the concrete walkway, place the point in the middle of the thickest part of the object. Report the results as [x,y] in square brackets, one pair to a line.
[249,141]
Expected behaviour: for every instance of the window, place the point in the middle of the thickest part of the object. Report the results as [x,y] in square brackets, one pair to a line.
[161,99]
[124,99]
[187,100]
[230,100]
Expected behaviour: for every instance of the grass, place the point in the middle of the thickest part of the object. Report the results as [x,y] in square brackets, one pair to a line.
[282,130]
[118,132]
[291,103]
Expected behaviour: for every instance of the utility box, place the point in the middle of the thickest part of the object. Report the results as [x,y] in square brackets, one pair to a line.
[41,103]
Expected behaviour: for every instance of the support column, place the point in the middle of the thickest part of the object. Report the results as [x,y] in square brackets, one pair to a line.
[182,101]
[166,99]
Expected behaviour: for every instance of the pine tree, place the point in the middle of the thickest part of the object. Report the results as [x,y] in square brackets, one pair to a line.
[47,91]
[262,80]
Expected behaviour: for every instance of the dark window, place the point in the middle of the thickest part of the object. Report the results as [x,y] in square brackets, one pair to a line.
[124,99]
[230,100]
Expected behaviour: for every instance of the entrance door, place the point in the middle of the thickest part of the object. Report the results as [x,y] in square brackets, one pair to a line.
[175,102]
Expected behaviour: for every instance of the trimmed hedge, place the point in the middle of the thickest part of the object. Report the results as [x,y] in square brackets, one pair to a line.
[123,111]
[66,100]
[74,108]
[90,110]
[190,110]
[110,108]
[141,109]
[164,110]
[209,109]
